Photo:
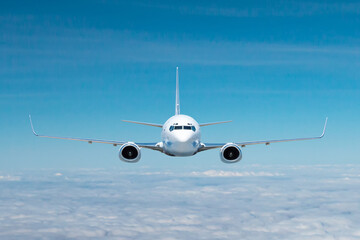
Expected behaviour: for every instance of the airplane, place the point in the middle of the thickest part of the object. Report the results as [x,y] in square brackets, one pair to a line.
[180,137]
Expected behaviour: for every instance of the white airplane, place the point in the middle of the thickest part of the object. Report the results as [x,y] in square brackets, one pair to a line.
[180,136]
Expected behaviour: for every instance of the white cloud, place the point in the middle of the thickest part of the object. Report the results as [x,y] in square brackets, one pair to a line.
[215,173]
[248,202]
[9,178]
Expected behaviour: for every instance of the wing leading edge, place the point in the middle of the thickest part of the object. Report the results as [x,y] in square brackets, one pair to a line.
[207,146]
[153,146]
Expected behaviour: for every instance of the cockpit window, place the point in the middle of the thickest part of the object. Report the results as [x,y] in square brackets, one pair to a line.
[182,127]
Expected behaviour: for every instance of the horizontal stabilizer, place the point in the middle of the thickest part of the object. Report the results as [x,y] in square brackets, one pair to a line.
[143,123]
[213,123]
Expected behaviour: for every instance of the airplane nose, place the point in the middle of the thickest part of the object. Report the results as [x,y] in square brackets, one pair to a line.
[182,138]
[183,144]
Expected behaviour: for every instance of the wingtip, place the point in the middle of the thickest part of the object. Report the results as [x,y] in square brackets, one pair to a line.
[32,127]
[324,129]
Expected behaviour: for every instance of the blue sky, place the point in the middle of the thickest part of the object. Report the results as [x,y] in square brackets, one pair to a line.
[276,68]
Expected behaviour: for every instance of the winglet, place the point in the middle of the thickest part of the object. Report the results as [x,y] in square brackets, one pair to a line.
[323,133]
[32,127]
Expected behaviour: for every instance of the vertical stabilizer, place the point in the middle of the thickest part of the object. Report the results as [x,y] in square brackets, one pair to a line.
[177,100]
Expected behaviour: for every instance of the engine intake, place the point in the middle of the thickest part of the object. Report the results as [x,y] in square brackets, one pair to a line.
[129,152]
[230,153]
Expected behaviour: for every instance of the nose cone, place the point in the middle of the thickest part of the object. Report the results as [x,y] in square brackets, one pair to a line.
[184,137]
[183,144]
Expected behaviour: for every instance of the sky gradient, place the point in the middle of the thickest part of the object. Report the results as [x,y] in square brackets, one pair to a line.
[276,68]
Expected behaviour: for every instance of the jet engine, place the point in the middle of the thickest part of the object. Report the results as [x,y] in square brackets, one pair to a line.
[230,153]
[130,152]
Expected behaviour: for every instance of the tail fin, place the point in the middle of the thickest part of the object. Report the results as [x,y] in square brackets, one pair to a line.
[177,100]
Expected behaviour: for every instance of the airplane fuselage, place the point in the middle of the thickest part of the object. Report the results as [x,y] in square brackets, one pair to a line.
[181,136]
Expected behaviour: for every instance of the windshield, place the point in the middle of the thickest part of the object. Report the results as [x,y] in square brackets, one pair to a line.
[182,128]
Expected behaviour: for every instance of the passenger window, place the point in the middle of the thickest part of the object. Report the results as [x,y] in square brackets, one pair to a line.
[193,128]
[187,127]
[171,128]
[178,127]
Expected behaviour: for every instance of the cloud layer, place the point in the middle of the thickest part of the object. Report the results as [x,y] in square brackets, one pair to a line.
[254,202]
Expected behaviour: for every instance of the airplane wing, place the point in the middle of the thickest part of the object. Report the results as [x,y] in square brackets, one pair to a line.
[207,146]
[153,146]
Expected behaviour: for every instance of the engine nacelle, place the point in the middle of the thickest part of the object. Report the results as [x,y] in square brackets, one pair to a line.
[130,152]
[230,153]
